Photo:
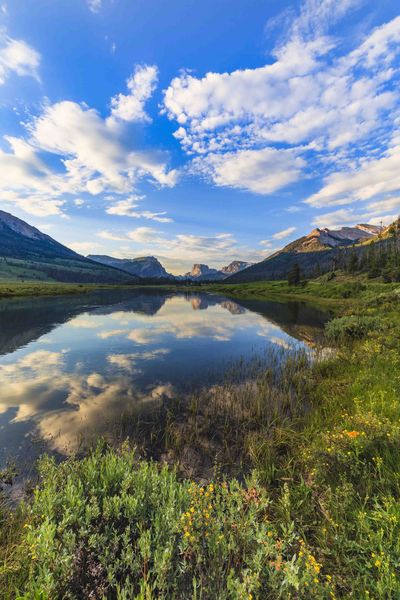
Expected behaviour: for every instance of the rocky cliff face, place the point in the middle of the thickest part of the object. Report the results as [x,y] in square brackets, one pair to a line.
[201,270]
[235,267]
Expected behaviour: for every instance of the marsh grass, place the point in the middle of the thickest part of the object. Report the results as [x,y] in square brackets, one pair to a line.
[228,428]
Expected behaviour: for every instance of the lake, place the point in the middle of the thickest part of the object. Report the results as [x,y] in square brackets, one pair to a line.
[71,366]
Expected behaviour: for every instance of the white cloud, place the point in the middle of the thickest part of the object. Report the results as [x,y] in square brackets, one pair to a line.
[16,56]
[141,86]
[92,153]
[348,217]
[313,98]
[281,235]
[260,171]
[375,176]
[128,206]
[317,16]
[93,157]
[84,247]
[385,205]
[143,235]
[109,235]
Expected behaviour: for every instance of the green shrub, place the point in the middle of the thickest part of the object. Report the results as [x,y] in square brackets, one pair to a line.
[353,290]
[351,327]
[108,527]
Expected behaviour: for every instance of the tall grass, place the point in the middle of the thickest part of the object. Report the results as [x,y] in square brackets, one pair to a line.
[229,428]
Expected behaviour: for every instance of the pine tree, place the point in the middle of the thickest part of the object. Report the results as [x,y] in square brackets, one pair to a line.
[294,275]
[353,262]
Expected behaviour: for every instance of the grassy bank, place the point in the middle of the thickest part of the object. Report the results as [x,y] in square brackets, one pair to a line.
[12,289]
[296,494]
[317,291]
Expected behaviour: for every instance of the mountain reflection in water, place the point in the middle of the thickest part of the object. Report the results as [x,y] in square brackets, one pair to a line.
[70,366]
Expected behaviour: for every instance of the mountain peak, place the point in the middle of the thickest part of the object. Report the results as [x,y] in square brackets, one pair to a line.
[315,252]
[32,255]
[200,270]
[19,226]
[323,238]
[143,266]
[235,267]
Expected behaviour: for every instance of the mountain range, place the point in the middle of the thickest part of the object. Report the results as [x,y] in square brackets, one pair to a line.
[201,272]
[315,253]
[28,254]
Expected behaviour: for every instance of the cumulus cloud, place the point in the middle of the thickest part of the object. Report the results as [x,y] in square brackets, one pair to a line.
[16,56]
[373,177]
[93,158]
[311,105]
[141,86]
[260,171]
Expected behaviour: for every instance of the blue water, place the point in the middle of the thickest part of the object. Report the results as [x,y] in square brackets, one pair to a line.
[70,366]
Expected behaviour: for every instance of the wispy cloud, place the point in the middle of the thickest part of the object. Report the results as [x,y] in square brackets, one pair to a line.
[281,235]
[128,206]
[94,5]
[16,56]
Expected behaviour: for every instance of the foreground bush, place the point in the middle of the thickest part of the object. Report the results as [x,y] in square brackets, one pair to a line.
[353,327]
[107,527]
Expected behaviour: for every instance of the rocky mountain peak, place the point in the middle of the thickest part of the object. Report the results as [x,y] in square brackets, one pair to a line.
[200,269]
[235,266]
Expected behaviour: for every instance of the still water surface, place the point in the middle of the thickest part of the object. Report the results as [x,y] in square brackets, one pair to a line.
[70,366]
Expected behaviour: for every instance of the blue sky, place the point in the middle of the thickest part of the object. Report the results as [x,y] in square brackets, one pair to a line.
[198,131]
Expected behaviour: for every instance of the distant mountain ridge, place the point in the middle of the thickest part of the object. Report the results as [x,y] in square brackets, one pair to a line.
[150,267]
[28,254]
[202,272]
[317,252]
[144,266]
